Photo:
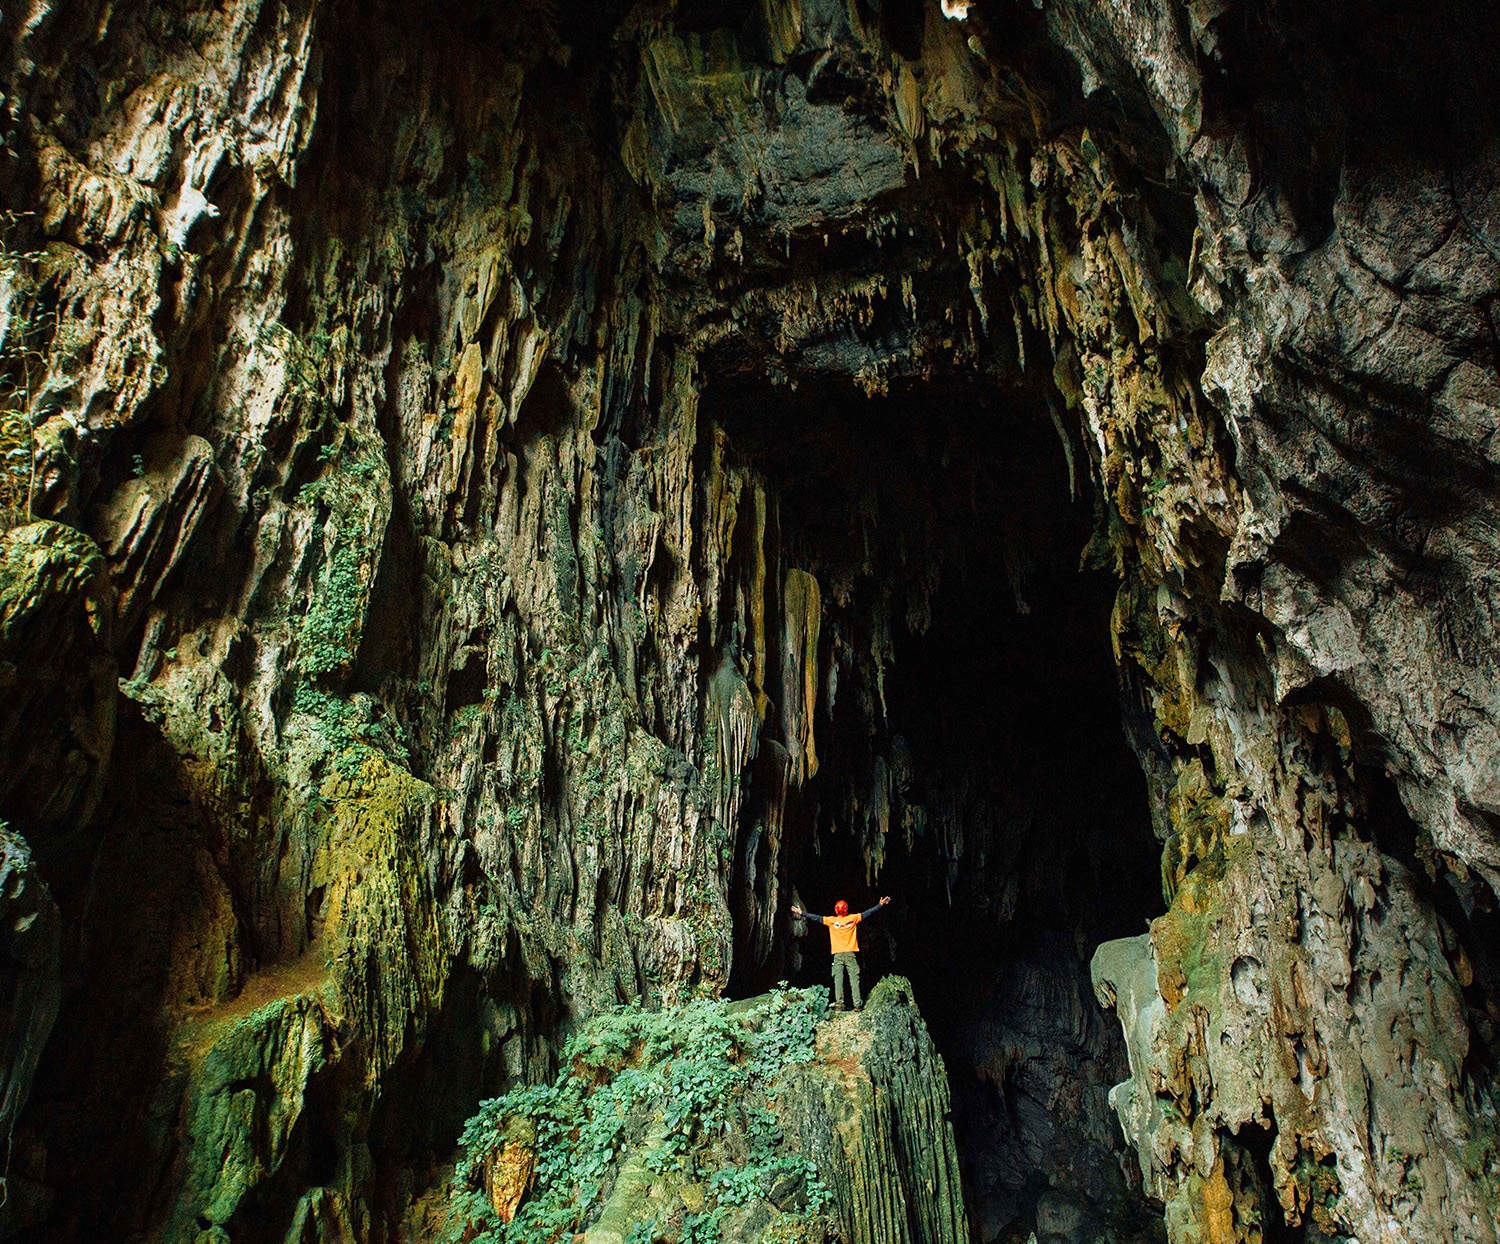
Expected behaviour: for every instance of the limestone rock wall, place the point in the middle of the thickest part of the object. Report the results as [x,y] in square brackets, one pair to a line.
[459,653]
[1340,367]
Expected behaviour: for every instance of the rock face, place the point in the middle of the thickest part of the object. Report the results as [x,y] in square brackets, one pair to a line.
[57,676]
[524,494]
[32,988]
[872,1113]
[57,671]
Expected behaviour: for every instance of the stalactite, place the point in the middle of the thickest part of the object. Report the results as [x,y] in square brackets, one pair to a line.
[803,613]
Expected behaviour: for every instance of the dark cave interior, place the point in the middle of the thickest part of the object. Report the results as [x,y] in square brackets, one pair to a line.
[990,744]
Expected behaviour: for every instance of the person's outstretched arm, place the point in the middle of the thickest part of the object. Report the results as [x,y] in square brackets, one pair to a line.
[807,915]
[865,915]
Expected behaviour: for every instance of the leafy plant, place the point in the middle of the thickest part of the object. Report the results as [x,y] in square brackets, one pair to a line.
[331,625]
[27,324]
[350,730]
[683,1092]
[331,628]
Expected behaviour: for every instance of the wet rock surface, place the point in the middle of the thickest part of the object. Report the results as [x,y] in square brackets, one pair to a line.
[494,469]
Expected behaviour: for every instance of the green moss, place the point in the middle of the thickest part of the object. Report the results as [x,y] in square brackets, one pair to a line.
[388,941]
[245,1092]
[1201,821]
[1482,1156]
[1186,941]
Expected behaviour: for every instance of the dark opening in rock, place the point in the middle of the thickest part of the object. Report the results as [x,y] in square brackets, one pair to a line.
[970,763]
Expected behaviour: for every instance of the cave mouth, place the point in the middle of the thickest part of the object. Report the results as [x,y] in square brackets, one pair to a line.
[972,765]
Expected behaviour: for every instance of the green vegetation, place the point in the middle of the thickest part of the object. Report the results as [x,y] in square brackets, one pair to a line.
[1319,1181]
[26,325]
[309,359]
[661,1122]
[331,629]
[353,728]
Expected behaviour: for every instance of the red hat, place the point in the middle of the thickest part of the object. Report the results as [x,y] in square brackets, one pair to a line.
[841,908]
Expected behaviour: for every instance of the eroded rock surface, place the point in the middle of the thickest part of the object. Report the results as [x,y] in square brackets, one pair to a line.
[497,465]
[768,1119]
[872,1112]
[58,677]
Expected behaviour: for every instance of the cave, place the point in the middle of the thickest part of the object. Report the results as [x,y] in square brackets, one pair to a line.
[986,784]
[500,502]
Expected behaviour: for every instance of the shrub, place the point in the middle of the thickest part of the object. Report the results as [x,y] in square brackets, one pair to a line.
[685,1092]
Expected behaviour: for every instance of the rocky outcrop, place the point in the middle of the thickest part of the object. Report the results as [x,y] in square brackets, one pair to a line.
[1255,1078]
[767,1119]
[57,672]
[58,682]
[872,1113]
[1304,901]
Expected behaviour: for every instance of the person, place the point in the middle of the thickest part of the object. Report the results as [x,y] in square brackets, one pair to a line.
[844,942]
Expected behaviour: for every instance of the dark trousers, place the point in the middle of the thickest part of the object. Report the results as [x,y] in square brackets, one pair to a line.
[846,964]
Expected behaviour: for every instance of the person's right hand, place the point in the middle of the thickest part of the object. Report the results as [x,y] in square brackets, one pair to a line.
[885,902]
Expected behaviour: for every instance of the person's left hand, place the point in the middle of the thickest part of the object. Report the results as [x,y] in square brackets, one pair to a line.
[796,911]
[885,902]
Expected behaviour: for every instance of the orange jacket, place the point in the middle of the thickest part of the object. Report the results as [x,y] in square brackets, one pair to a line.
[841,934]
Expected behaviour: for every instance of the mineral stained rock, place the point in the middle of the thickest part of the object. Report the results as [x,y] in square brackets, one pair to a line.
[519,494]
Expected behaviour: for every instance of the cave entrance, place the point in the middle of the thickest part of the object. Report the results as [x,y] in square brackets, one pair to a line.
[972,764]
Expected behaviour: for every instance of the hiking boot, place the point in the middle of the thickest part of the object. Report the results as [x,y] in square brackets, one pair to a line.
[860,1007]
